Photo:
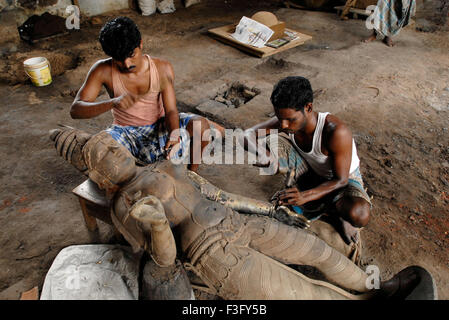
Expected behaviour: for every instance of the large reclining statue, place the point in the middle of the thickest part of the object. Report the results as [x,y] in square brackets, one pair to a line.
[238,256]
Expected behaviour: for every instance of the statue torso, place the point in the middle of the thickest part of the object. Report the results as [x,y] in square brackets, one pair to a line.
[188,212]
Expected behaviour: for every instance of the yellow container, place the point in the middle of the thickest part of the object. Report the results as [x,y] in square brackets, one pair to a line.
[38,69]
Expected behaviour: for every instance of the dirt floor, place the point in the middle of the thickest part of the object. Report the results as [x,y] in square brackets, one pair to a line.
[396,100]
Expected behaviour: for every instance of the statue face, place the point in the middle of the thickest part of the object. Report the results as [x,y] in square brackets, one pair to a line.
[109,162]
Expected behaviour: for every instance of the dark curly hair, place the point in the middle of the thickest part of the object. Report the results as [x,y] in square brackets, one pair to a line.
[119,37]
[292,93]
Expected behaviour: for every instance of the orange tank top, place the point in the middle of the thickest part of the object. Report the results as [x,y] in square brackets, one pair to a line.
[147,109]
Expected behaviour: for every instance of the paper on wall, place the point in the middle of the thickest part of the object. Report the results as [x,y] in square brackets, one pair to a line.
[251,32]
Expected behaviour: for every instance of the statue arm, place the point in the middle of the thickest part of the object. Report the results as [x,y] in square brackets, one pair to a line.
[150,214]
[247,205]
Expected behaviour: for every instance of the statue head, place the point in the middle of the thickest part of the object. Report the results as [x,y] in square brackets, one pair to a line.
[69,144]
[109,163]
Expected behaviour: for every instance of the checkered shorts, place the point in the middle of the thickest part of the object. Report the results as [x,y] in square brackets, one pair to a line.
[146,143]
[289,158]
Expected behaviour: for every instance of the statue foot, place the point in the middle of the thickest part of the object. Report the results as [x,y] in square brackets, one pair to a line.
[165,283]
[412,283]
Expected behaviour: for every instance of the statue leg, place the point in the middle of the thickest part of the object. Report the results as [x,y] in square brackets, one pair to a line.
[239,272]
[292,245]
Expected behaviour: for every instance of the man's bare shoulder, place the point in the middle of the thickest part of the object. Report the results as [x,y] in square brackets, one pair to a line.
[163,66]
[335,128]
[166,73]
[102,65]
[160,61]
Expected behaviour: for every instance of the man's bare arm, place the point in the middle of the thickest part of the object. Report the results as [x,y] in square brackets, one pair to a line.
[84,105]
[263,129]
[167,77]
[257,131]
[340,151]
[168,95]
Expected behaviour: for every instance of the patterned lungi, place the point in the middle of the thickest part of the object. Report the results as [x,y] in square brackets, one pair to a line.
[392,15]
[289,158]
[146,143]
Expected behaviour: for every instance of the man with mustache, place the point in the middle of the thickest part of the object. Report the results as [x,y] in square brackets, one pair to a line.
[142,98]
[321,150]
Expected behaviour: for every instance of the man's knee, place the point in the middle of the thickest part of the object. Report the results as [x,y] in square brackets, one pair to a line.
[354,210]
[198,124]
[359,213]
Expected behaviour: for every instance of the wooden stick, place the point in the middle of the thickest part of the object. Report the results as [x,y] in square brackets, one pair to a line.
[349,4]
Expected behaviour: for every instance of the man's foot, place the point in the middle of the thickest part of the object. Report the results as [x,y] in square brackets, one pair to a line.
[193,167]
[347,231]
[388,41]
[370,39]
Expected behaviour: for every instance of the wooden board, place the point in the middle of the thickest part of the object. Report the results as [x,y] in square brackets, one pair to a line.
[89,190]
[224,34]
[352,10]
[356,12]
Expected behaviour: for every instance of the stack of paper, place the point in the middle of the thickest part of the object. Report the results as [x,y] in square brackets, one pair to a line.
[251,32]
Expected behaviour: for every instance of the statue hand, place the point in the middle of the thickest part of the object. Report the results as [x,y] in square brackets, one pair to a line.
[285,215]
[149,212]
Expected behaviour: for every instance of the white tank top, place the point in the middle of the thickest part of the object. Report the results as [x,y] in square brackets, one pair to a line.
[319,162]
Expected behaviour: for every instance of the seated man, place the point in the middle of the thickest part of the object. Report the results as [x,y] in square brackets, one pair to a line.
[142,102]
[320,148]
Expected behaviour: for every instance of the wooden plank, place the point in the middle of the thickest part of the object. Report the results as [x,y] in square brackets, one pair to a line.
[91,222]
[353,10]
[289,4]
[348,5]
[32,294]
[89,190]
[223,34]
[356,11]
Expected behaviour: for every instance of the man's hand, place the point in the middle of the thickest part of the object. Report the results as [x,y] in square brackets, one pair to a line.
[125,101]
[292,197]
[172,148]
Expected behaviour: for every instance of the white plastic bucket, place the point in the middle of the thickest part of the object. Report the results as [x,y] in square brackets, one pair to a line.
[38,69]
